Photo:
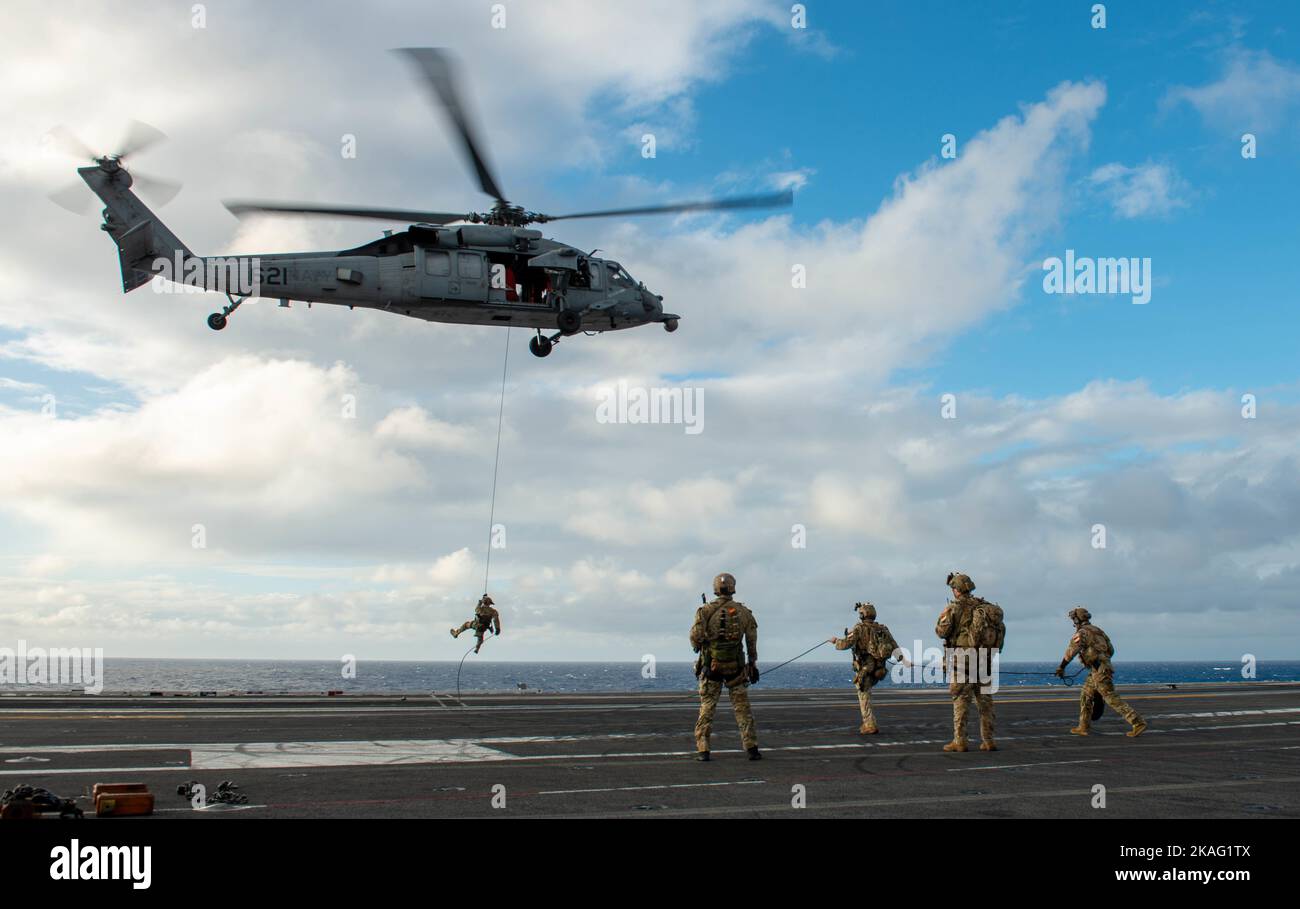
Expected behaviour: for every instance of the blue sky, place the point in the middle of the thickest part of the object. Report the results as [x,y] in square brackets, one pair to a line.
[876,105]
[822,405]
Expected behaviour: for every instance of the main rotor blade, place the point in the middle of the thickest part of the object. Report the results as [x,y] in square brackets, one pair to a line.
[767,200]
[438,69]
[241,208]
[139,136]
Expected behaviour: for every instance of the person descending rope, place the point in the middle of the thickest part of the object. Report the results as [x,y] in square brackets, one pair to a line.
[485,617]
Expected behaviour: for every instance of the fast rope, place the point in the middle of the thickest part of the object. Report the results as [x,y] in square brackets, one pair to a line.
[492,508]
[1067,679]
[461,665]
[767,672]
[496,465]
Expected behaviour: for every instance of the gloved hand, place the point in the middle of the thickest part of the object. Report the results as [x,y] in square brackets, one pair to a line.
[1060,671]
[753,673]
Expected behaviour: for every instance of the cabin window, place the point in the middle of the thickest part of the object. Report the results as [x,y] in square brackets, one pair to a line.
[469,265]
[437,263]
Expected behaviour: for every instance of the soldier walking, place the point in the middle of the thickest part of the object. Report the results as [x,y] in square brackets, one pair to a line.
[872,645]
[1094,650]
[962,626]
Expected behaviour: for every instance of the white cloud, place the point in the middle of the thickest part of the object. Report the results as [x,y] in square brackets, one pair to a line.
[240,447]
[1197,502]
[414,427]
[1255,92]
[1147,190]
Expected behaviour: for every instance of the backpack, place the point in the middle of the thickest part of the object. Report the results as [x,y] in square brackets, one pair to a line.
[724,656]
[875,644]
[1098,645]
[987,626]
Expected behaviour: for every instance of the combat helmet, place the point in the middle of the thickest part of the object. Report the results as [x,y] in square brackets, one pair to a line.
[1079,615]
[866,610]
[960,582]
[724,584]
[486,600]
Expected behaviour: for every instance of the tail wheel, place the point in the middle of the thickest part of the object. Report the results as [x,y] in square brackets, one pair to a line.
[540,346]
[216,321]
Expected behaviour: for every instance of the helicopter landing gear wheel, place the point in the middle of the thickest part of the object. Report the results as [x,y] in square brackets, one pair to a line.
[670,325]
[541,346]
[217,320]
[569,321]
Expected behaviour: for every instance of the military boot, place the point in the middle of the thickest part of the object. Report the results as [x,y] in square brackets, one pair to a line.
[1079,730]
[754,755]
[453,632]
[702,756]
[865,729]
[1139,727]
[955,745]
[988,746]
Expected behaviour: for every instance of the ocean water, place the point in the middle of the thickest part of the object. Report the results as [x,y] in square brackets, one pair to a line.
[275,676]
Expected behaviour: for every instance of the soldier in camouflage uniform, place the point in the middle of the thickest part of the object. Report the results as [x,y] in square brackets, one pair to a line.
[955,629]
[721,627]
[1094,650]
[485,617]
[871,644]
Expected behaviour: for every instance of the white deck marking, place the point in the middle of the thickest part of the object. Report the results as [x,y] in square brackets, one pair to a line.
[1215,713]
[259,755]
[215,806]
[1014,766]
[642,788]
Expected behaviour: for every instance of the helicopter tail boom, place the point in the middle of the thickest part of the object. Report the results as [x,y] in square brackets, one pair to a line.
[142,239]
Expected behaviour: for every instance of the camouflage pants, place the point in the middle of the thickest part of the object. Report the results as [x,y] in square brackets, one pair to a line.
[1101,683]
[470,626]
[962,695]
[864,702]
[710,694]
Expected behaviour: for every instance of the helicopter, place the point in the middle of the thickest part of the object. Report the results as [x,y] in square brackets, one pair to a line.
[475,268]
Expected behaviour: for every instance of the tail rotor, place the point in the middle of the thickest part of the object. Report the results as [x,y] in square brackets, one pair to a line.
[139,137]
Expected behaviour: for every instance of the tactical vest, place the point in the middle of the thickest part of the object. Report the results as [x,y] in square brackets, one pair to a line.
[723,651]
[954,625]
[482,617]
[1096,645]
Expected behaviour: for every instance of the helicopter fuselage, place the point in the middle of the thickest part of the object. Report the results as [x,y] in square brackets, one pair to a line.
[466,274]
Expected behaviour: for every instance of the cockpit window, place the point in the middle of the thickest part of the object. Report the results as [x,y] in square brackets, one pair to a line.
[618,278]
